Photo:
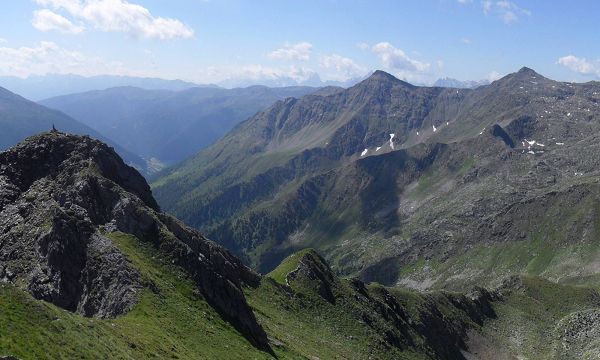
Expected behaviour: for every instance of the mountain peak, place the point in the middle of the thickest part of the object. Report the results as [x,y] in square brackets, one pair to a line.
[526,72]
[41,154]
[380,76]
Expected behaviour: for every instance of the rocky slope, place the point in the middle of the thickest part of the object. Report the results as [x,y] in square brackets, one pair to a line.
[62,196]
[505,175]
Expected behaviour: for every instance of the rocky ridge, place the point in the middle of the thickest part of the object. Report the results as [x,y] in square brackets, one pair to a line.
[62,195]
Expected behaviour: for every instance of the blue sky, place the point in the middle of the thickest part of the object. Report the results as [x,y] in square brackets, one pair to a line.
[210,41]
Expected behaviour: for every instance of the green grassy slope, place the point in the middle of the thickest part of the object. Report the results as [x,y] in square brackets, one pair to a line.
[527,317]
[171,320]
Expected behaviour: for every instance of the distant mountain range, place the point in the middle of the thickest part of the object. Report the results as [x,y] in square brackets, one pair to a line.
[459,84]
[21,118]
[425,187]
[283,81]
[38,87]
[165,126]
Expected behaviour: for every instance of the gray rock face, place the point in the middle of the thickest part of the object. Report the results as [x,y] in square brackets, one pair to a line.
[59,195]
[49,244]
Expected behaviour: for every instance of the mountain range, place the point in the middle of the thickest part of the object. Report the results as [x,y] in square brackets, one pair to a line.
[21,118]
[166,126]
[311,79]
[91,268]
[39,87]
[424,187]
[459,84]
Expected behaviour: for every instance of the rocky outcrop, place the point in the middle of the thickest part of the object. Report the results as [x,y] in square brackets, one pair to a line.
[60,195]
[314,272]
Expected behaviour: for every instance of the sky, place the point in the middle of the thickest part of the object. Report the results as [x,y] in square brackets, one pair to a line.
[215,41]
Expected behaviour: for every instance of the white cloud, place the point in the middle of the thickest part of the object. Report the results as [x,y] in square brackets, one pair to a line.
[396,59]
[72,6]
[464,1]
[363,46]
[46,20]
[2,41]
[48,57]
[252,74]
[493,76]
[580,65]
[487,6]
[300,51]
[121,16]
[507,11]
[466,40]
[345,67]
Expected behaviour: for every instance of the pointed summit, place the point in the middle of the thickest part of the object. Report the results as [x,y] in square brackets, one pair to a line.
[524,74]
[527,71]
[382,77]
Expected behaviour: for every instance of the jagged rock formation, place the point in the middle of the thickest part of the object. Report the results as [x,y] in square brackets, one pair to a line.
[60,195]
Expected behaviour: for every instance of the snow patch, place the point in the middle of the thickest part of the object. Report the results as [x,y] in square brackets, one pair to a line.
[560,143]
[378,148]
[434,128]
[364,152]
[392,140]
